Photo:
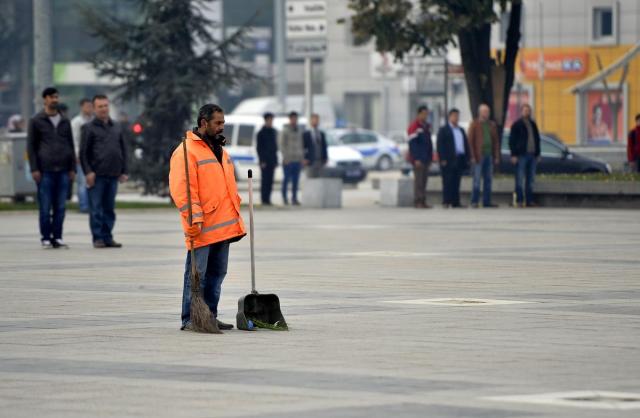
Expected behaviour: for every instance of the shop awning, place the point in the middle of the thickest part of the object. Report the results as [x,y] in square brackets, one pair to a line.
[607,71]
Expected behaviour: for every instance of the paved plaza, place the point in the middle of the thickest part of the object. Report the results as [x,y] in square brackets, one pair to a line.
[393,313]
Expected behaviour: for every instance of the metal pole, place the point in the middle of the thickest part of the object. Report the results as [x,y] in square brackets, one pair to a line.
[280,52]
[42,48]
[308,89]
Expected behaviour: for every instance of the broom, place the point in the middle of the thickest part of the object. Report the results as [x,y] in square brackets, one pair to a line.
[201,318]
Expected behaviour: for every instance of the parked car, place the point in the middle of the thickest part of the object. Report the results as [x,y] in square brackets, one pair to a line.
[555,158]
[378,152]
[241,132]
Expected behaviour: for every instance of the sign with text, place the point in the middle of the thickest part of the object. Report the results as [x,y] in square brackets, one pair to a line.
[304,29]
[314,48]
[305,9]
[556,64]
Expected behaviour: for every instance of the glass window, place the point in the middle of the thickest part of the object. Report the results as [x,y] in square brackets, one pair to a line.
[245,135]
[603,22]
[549,149]
[349,139]
[228,132]
[367,138]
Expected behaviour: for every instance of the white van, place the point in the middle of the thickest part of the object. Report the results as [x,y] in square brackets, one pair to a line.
[256,106]
[241,132]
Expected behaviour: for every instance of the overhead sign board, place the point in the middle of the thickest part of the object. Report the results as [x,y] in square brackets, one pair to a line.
[305,9]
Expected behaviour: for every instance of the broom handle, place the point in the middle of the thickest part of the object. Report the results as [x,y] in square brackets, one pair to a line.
[253,262]
[189,206]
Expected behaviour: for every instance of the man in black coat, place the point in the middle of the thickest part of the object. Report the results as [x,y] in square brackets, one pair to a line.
[103,155]
[52,162]
[267,146]
[453,150]
[524,142]
[316,154]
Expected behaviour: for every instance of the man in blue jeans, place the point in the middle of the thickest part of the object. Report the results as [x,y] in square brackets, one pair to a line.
[485,152]
[292,149]
[52,162]
[103,155]
[524,142]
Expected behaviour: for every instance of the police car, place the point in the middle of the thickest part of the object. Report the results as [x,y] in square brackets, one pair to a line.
[377,152]
[241,132]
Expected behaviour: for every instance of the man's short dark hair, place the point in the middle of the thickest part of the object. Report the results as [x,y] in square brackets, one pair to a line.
[293,113]
[454,110]
[637,117]
[99,97]
[84,100]
[422,108]
[267,115]
[49,91]
[206,112]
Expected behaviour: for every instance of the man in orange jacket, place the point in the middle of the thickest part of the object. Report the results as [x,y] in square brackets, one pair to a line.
[216,207]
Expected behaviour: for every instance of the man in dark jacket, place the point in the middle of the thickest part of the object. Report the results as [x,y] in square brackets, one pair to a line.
[315,148]
[453,150]
[420,155]
[103,156]
[267,146]
[52,161]
[524,142]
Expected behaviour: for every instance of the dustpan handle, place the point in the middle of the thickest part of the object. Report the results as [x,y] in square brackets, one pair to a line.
[253,262]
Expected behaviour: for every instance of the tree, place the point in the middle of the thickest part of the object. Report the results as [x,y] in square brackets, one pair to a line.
[168,59]
[429,26]
[11,38]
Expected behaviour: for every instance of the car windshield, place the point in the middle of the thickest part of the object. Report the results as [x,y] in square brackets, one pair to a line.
[332,138]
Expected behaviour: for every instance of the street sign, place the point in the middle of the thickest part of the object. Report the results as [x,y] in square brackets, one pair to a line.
[307,28]
[312,48]
[305,9]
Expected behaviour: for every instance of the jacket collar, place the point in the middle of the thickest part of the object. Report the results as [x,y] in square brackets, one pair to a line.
[193,136]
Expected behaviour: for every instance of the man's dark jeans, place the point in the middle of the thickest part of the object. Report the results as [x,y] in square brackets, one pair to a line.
[291,174]
[102,203]
[266,183]
[482,170]
[525,171]
[211,263]
[52,196]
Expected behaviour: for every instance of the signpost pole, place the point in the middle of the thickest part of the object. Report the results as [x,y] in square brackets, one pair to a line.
[280,49]
[308,89]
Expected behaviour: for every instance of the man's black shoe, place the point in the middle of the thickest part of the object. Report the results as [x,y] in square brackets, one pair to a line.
[58,243]
[490,206]
[99,244]
[113,244]
[223,326]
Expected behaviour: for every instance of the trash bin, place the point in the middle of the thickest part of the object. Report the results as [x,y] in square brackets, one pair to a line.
[15,173]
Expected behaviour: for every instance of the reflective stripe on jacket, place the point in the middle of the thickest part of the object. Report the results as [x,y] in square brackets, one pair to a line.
[214,194]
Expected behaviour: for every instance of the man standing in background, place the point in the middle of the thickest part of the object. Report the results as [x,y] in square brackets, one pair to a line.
[103,156]
[453,149]
[524,142]
[316,154]
[51,157]
[85,116]
[420,155]
[633,147]
[267,147]
[291,146]
[485,152]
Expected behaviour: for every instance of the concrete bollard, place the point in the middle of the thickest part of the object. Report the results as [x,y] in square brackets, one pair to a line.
[322,193]
[396,192]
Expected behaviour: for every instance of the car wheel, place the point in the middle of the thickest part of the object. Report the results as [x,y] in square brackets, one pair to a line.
[384,163]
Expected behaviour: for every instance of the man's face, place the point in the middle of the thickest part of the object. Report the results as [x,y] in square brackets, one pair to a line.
[423,115]
[453,118]
[484,112]
[268,122]
[215,126]
[293,120]
[51,101]
[315,120]
[526,111]
[101,108]
[87,108]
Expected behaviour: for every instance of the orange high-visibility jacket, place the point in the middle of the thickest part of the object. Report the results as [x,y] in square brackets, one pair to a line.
[214,194]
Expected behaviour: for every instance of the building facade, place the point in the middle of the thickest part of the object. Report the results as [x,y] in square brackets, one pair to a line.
[589,91]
